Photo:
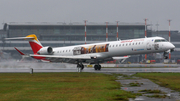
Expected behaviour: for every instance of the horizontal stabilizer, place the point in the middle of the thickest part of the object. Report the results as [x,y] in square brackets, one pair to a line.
[33,41]
[25,38]
[23,55]
[19,51]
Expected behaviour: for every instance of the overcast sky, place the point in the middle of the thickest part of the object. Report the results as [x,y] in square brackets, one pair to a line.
[129,11]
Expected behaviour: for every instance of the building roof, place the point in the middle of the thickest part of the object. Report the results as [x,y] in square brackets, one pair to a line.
[73,23]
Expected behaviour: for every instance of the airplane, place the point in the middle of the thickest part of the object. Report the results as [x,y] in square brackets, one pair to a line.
[97,53]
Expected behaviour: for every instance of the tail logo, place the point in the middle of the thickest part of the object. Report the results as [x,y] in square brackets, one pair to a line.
[34,43]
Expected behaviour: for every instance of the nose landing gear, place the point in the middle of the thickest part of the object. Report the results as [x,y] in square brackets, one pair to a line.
[165,53]
[165,57]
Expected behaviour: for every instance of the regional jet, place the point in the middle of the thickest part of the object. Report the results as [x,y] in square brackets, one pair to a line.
[97,53]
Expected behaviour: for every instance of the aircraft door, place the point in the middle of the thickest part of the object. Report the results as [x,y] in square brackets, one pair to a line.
[77,51]
[148,44]
[161,46]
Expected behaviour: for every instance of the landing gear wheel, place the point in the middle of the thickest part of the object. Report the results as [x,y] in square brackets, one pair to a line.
[96,67]
[99,67]
[165,57]
[82,67]
[78,65]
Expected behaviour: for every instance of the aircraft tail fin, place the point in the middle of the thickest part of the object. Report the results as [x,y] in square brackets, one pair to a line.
[33,41]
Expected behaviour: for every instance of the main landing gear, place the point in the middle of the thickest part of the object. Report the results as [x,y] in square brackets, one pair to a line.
[97,67]
[80,67]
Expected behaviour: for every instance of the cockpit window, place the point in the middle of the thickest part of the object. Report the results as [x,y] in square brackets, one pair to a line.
[160,40]
[163,40]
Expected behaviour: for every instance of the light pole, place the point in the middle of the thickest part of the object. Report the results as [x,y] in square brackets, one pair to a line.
[157,28]
[117,30]
[169,37]
[145,27]
[145,36]
[106,31]
[85,30]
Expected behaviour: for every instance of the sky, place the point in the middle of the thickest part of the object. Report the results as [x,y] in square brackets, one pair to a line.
[128,11]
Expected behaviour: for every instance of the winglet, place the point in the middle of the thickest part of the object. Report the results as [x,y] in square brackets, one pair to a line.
[19,51]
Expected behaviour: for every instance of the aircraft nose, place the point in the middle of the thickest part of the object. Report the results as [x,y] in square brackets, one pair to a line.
[171,46]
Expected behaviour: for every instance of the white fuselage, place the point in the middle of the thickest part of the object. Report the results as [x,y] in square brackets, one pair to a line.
[117,48]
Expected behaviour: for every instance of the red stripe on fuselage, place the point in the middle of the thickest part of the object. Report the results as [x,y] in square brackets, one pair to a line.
[40,58]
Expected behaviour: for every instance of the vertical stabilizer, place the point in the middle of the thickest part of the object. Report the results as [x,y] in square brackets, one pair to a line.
[34,43]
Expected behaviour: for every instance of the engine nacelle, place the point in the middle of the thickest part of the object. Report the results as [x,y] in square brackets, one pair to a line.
[45,51]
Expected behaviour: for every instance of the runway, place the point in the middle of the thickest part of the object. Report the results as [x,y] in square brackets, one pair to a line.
[15,67]
[103,70]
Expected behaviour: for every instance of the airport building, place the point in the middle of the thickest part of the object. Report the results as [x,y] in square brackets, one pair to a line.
[175,35]
[65,34]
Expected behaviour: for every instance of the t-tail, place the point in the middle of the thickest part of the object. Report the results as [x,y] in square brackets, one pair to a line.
[33,41]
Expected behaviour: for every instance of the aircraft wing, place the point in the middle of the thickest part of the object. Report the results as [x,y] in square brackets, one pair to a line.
[122,59]
[56,58]
[119,58]
[70,59]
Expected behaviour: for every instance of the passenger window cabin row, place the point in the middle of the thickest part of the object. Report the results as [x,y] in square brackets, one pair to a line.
[126,44]
[117,45]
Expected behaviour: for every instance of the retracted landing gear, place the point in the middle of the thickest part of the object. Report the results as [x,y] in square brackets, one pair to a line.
[97,67]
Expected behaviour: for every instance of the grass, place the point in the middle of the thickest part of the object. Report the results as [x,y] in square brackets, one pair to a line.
[170,80]
[61,86]
[157,96]
[136,84]
[151,91]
